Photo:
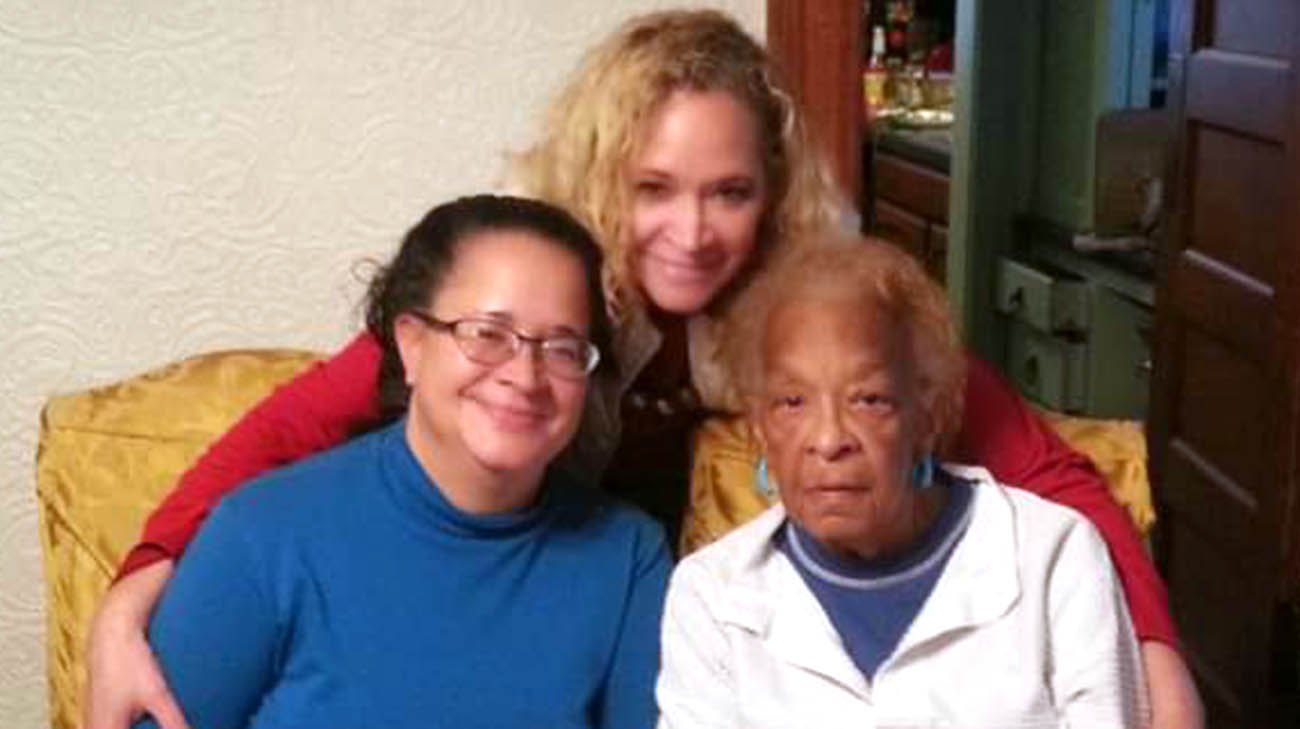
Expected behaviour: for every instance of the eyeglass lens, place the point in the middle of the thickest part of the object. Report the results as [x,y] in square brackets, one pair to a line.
[492,343]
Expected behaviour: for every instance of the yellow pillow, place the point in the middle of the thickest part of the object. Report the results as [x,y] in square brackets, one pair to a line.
[723,495]
[1118,448]
[106,457]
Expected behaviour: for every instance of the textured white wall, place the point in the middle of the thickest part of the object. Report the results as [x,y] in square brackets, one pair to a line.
[179,176]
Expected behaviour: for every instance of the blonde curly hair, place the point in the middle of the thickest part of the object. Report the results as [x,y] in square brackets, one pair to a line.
[879,277]
[598,121]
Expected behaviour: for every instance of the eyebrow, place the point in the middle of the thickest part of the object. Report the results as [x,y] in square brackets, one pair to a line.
[738,177]
[508,318]
[865,369]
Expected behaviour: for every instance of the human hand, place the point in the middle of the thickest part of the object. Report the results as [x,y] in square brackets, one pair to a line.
[123,679]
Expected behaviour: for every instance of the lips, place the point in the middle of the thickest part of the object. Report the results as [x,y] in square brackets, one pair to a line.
[836,492]
[685,269]
[838,486]
[513,417]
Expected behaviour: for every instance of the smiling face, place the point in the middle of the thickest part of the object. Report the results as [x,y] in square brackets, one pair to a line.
[486,433]
[698,197]
[838,414]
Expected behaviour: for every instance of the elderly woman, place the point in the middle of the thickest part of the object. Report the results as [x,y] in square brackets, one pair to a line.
[885,589]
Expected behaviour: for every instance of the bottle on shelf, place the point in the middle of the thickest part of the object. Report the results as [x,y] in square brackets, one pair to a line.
[876,74]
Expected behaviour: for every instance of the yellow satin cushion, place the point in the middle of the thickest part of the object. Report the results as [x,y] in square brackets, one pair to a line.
[1118,448]
[723,495]
[106,457]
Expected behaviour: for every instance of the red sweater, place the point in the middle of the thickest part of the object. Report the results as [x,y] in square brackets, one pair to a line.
[321,407]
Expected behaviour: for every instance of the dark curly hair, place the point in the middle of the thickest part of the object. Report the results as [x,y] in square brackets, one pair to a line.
[429,251]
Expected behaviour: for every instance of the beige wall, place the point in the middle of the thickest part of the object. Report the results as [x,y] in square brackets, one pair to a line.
[185,175]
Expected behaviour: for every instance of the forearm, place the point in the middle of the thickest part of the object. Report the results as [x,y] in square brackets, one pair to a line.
[315,411]
[1175,702]
[123,680]
[129,602]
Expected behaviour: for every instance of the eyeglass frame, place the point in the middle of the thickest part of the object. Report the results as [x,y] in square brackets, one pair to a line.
[517,341]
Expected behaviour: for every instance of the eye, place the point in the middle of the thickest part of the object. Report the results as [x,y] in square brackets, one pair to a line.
[874,401]
[571,351]
[735,193]
[652,189]
[787,402]
[486,332]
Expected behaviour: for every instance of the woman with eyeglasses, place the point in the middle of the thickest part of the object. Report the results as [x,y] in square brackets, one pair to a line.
[437,571]
[676,145]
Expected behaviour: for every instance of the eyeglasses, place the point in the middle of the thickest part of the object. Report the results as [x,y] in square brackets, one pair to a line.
[490,342]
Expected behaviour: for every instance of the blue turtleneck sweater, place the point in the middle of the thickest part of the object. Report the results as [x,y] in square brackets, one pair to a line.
[345,591]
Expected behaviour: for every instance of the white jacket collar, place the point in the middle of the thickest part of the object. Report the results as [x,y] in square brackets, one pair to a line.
[768,597]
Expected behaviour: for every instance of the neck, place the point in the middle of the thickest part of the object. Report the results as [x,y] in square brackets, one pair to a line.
[468,485]
[667,323]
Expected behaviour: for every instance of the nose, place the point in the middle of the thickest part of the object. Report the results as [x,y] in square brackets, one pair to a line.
[830,438]
[524,368]
[690,222]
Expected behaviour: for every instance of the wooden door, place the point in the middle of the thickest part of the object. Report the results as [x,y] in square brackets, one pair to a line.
[1223,424]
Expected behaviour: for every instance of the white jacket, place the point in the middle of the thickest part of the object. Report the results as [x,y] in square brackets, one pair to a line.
[1026,627]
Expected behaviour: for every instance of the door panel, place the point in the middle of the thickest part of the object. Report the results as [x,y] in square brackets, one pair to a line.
[1255,27]
[1243,94]
[1223,420]
[1220,658]
[1220,215]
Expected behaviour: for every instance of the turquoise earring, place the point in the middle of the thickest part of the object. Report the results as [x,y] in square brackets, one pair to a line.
[923,472]
[762,482]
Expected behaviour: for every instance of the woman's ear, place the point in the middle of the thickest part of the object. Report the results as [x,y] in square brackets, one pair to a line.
[409,333]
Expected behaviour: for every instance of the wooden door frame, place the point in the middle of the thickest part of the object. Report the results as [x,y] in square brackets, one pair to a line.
[818,47]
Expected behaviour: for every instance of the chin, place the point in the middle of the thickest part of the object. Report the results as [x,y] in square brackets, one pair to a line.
[508,452]
[511,460]
[682,299]
[836,525]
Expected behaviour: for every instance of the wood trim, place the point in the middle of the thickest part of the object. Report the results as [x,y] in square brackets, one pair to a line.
[1288,306]
[1167,334]
[911,186]
[900,227]
[818,47]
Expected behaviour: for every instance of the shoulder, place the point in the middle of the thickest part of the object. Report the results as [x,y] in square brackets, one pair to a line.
[715,388]
[1043,529]
[324,481]
[740,556]
[1026,505]
[584,512]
